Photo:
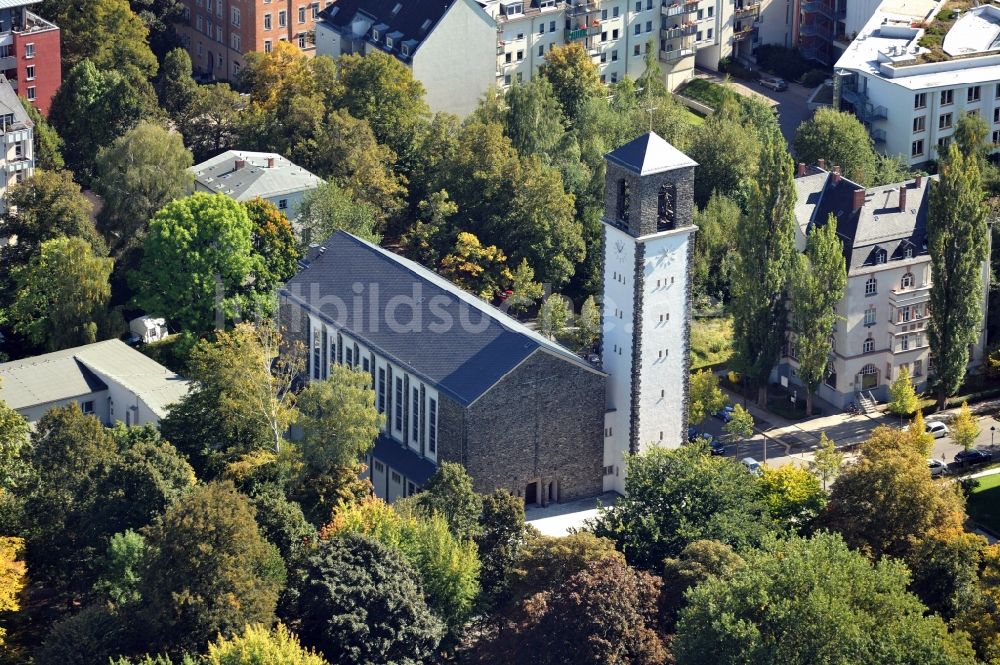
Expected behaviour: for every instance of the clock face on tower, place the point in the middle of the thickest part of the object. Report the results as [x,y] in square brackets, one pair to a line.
[666,256]
[620,250]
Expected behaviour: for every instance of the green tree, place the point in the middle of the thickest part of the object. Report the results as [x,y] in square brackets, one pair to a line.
[212,121]
[971,133]
[886,503]
[15,470]
[283,524]
[740,425]
[139,173]
[95,106]
[363,603]
[946,568]
[827,460]
[43,207]
[956,229]
[794,496]
[430,236]
[573,76]
[840,139]
[728,154]
[588,324]
[890,169]
[715,246]
[500,538]
[175,86]
[818,282]
[448,567]
[328,209]
[109,34]
[449,493]
[704,396]
[765,247]
[546,562]
[697,562]
[338,419]
[965,427]
[553,316]
[95,634]
[532,118]
[196,259]
[62,294]
[792,597]
[241,401]
[475,268]
[607,613]
[210,571]
[257,645]
[981,618]
[273,243]
[121,569]
[674,497]
[47,143]
[903,399]
[383,91]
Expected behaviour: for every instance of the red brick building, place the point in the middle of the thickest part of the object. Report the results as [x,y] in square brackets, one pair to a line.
[217,33]
[29,53]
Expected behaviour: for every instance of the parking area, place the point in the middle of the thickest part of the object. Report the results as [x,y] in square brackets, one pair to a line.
[790,104]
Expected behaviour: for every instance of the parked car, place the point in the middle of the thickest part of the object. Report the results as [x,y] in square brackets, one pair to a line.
[972,456]
[692,433]
[937,467]
[752,465]
[725,414]
[717,447]
[774,83]
[937,429]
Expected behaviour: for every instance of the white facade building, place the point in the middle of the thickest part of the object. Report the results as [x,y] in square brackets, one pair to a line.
[911,99]
[648,237]
[245,175]
[450,45]
[884,312]
[17,154]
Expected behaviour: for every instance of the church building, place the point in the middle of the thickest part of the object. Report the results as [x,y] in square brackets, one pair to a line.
[459,380]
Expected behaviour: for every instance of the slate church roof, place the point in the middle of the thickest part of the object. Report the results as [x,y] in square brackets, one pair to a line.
[649,154]
[417,319]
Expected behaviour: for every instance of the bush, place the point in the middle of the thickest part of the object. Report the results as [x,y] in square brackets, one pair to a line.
[92,635]
[785,62]
[815,77]
[259,646]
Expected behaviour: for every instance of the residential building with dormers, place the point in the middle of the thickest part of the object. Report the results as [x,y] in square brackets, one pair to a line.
[885,310]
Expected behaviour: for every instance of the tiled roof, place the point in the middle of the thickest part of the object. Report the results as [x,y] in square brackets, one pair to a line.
[450,338]
[649,154]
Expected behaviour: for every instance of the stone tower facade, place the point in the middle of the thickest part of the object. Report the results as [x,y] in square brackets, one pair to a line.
[648,244]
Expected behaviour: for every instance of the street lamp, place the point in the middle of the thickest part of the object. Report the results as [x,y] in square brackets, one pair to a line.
[993,430]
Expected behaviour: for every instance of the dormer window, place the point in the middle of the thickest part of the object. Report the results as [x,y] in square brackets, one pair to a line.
[404,49]
[908,252]
[388,42]
[375,35]
[880,256]
[514,9]
[547,3]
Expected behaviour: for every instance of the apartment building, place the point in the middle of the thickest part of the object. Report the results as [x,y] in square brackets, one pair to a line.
[884,312]
[219,33]
[29,53]
[911,97]
[17,159]
[450,45]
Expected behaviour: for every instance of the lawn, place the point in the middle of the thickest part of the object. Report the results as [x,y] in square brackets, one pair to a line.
[693,118]
[984,504]
[711,341]
[704,91]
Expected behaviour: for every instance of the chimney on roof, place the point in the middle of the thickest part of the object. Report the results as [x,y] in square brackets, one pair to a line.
[919,180]
[821,163]
[270,162]
[902,198]
[240,163]
[801,169]
[859,199]
[836,175]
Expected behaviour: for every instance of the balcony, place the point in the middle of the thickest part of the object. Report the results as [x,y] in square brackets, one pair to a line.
[907,297]
[682,31]
[582,8]
[747,9]
[678,8]
[676,54]
[10,62]
[33,23]
[744,34]
[878,135]
[582,32]
[824,32]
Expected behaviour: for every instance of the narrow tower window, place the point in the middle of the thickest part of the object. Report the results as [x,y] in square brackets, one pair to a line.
[666,216]
[623,200]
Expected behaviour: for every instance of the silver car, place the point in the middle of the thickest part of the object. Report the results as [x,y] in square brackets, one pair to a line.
[937,429]
[937,467]
[774,83]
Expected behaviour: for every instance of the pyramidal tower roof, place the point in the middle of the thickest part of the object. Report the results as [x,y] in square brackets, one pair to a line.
[649,154]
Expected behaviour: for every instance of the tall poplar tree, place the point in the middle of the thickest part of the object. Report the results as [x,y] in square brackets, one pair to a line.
[956,229]
[765,248]
[817,285]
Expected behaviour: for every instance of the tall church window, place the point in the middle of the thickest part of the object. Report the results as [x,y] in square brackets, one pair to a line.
[623,200]
[666,208]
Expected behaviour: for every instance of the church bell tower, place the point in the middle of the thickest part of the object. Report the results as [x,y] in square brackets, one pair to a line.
[648,243]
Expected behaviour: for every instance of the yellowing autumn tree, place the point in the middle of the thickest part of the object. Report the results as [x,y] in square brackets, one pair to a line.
[12,574]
